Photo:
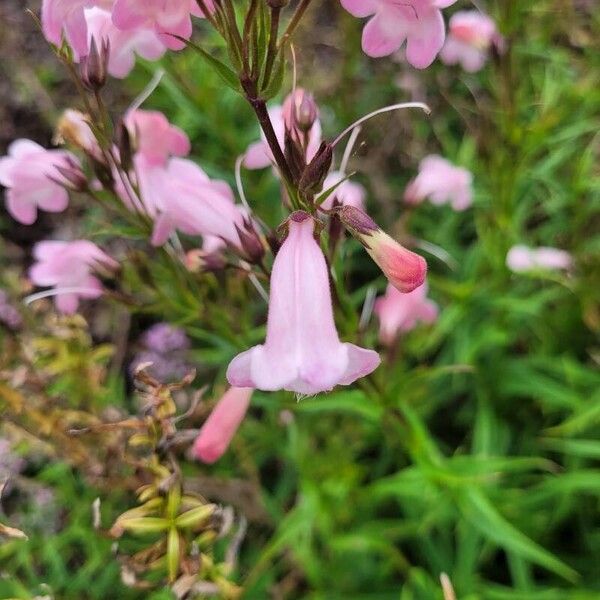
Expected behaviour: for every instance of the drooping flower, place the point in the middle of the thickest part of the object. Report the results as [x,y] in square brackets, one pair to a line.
[471,35]
[69,267]
[418,22]
[347,193]
[295,109]
[69,16]
[521,259]
[155,138]
[302,352]
[398,312]
[404,269]
[441,182]
[169,18]
[223,422]
[185,198]
[123,45]
[32,175]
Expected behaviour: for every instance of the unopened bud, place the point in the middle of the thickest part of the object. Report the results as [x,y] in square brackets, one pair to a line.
[124,145]
[404,269]
[300,110]
[72,176]
[314,175]
[93,67]
[199,261]
[252,247]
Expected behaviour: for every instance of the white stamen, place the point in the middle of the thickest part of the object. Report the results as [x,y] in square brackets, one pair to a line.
[367,310]
[57,292]
[380,111]
[238,182]
[148,90]
[349,148]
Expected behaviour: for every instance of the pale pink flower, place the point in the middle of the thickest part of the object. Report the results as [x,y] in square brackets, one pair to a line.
[399,313]
[347,193]
[521,259]
[302,352]
[259,155]
[188,200]
[222,423]
[471,35]
[154,137]
[441,182]
[123,45]
[68,267]
[31,174]
[69,16]
[168,18]
[404,269]
[418,22]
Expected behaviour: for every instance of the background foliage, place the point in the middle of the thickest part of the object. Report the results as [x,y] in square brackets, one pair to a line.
[473,451]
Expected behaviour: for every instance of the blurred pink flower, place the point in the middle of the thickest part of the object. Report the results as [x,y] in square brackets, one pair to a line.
[188,200]
[68,267]
[32,175]
[348,193]
[418,22]
[441,182]
[471,35]
[168,18]
[259,155]
[404,269]
[222,423]
[124,45]
[69,16]
[154,137]
[398,312]
[521,259]
[302,352]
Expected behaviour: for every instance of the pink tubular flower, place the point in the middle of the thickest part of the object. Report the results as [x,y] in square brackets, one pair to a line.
[400,312]
[223,422]
[68,266]
[259,155]
[169,18]
[347,193]
[471,35]
[31,174]
[404,269]
[124,45]
[441,182]
[418,22]
[155,138]
[69,16]
[302,352]
[189,201]
[521,259]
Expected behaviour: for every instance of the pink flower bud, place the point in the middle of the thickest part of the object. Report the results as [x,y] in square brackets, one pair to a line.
[404,269]
[220,427]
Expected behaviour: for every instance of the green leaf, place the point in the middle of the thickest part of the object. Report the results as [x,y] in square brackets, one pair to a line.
[483,516]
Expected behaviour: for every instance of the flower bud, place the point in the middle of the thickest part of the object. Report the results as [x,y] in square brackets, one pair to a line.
[251,244]
[93,67]
[74,128]
[404,269]
[124,145]
[200,261]
[72,176]
[314,175]
[305,110]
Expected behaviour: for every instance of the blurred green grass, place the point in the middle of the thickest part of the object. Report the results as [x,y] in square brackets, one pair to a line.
[474,451]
